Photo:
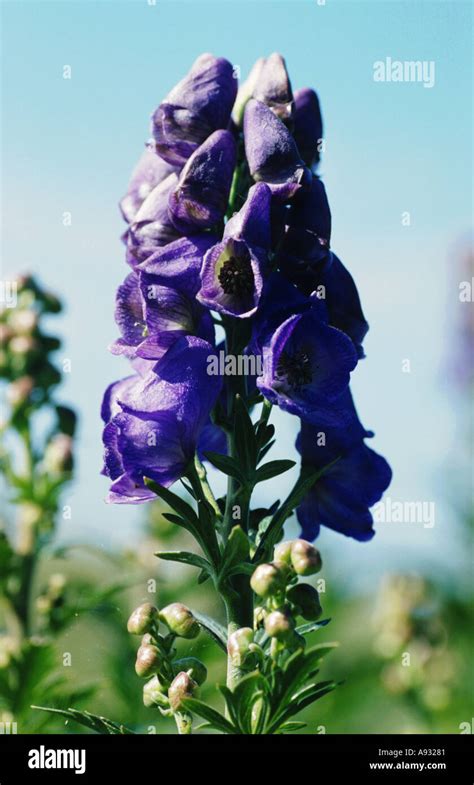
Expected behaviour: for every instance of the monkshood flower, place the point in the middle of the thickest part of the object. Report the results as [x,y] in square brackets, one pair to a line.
[152,226]
[271,152]
[246,92]
[307,125]
[198,105]
[154,422]
[343,302]
[148,173]
[340,499]
[199,200]
[304,251]
[273,87]
[307,365]
[233,270]
[157,303]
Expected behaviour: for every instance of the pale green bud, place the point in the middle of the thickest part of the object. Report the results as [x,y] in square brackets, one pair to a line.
[279,625]
[267,580]
[282,552]
[305,558]
[179,619]
[148,660]
[142,619]
[182,686]
[238,645]
[154,694]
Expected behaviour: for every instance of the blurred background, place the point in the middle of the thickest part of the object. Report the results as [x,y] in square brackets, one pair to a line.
[397,166]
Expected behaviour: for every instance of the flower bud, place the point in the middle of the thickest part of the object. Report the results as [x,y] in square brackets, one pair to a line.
[142,619]
[279,625]
[267,580]
[238,645]
[154,694]
[148,660]
[305,558]
[182,686]
[19,391]
[259,614]
[22,344]
[179,619]
[58,454]
[23,321]
[197,668]
[306,599]
[282,552]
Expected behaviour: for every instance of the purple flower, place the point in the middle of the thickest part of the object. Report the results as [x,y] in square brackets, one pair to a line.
[233,270]
[200,198]
[305,248]
[156,421]
[306,367]
[343,302]
[340,499]
[129,316]
[308,125]
[273,87]
[152,226]
[148,173]
[271,152]
[198,105]
[280,300]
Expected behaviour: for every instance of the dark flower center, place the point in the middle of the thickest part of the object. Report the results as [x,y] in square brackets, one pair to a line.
[295,368]
[236,276]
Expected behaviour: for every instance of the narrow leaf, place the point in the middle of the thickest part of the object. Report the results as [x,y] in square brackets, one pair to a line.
[213,628]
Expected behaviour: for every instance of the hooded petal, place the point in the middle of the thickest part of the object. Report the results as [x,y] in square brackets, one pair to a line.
[273,87]
[343,302]
[129,316]
[308,125]
[200,198]
[246,92]
[252,223]
[196,107]
[148,173]
[152,226]
[271,152]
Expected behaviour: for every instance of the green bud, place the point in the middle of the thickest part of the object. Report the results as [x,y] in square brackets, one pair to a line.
[238,645]
[58,454]
[279,625]
[182,686]
[268,579]
[148,660]
[187,664]
[154,694]
[179,619]
[19,391]
[306,599]
[259,614]
[142,619]
[305,558]
[282,552]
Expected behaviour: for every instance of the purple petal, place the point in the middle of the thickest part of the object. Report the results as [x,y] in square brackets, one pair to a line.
[308,125]
[252,222]
[200,198]
[196,107]
[152,226]
[179,263]
[271,152]
[273,87]
[232,278]
[148,173]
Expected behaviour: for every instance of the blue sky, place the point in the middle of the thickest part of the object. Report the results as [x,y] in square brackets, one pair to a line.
[69,145]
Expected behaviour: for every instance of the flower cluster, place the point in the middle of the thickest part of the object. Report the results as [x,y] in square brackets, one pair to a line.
[282,600]
[228,223]
[172,679]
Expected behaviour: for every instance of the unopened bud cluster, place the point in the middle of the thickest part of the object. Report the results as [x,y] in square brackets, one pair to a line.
[172,679]
[282,598]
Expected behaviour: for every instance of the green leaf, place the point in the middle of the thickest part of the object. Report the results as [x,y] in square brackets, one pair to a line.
[249,690]
[311,626]
[185,557]
[226,465]
[236,550]
[291,727]
[215,720]
[213,628]
[174,501]
[273,469]
[92,721]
